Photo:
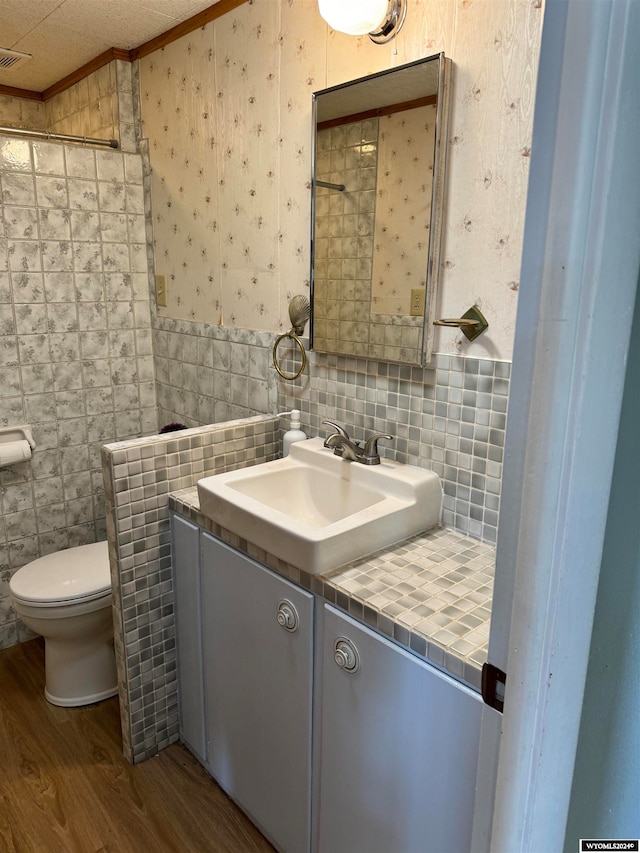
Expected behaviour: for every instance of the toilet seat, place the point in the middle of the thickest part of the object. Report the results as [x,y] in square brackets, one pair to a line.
[74,576]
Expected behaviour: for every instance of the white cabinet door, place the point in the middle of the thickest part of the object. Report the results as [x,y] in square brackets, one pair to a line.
[397,752]
[186,586]
[258,676]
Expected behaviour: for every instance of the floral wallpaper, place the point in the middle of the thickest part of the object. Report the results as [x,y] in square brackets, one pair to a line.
[403,209]
[227,111]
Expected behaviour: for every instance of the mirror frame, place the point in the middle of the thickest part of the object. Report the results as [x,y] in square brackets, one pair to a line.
[437,202]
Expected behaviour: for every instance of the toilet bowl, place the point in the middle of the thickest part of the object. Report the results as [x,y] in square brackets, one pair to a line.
[66,597]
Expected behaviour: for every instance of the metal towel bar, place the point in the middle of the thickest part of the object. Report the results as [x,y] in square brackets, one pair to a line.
[472,323]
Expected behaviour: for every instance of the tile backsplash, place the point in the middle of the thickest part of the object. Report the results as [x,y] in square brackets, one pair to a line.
[449,416]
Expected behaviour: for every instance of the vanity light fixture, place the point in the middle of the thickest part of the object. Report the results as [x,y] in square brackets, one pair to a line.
[382,19]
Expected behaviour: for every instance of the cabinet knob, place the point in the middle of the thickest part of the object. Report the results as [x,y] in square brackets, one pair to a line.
[287,615]
[346,655]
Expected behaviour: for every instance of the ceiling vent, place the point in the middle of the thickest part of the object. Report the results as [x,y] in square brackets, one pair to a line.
[12,58]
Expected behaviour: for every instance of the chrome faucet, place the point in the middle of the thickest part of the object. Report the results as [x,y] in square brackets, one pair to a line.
[350,450]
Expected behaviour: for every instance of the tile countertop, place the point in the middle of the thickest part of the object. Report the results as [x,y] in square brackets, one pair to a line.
[431,593]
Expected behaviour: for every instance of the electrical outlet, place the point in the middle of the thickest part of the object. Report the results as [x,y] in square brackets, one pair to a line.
[417,301]
[161,291]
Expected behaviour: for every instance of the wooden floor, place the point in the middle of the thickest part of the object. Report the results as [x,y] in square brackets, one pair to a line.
[65,786]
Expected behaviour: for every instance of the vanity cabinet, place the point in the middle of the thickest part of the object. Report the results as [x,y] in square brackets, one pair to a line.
[397,746]
[390,764]
[258,633]
[188,615]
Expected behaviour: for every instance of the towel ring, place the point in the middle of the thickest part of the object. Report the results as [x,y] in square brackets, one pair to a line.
[292,335]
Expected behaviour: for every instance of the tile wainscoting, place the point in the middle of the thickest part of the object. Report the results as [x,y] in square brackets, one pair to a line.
[450,416]
[210,374]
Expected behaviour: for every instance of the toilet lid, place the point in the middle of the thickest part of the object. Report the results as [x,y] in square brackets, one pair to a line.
[76,574]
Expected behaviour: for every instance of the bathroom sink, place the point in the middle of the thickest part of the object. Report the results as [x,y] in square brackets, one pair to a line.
[318,511]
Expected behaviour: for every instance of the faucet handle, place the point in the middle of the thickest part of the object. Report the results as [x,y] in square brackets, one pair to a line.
[339,430]
[370,452]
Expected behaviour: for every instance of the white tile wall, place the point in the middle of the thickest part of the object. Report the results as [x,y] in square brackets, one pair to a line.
[75,341]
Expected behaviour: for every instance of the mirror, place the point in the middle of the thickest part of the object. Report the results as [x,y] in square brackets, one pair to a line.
[376,214]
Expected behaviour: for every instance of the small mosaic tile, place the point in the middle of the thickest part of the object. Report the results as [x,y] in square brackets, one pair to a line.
[210,374]
[449,416]
[139,475]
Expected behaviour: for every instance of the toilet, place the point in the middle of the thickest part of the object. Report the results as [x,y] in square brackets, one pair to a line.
[66,597]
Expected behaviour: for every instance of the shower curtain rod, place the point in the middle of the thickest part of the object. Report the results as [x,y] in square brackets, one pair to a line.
[340,187]
[61,137]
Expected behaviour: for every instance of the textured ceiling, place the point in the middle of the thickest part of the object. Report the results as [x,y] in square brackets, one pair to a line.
[63,35]
[419,80]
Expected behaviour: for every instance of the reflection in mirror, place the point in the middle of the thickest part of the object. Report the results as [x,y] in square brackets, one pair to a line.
[377,212]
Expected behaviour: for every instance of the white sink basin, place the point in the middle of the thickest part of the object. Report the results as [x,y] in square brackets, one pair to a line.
[318,511]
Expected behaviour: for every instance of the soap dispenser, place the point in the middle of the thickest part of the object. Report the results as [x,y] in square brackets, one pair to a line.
[294,433]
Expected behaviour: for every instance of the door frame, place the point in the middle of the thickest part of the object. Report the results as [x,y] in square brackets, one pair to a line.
[580,265]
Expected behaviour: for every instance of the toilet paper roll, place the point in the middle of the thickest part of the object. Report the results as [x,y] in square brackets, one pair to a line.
[13,452]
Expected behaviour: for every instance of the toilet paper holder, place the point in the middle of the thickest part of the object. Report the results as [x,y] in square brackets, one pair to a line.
[17,433]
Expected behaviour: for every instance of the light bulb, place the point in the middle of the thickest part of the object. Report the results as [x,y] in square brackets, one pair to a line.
[354,17]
